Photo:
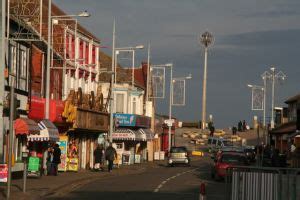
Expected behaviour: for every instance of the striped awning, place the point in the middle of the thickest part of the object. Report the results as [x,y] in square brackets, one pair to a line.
[48,132]
[123,134]
[25,126]
[148,134]
[133,134]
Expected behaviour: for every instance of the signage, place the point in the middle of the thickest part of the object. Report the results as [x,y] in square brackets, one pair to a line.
[125,119]
[63,145]
[3,173]
[93,120]
[168,121]
[132,120]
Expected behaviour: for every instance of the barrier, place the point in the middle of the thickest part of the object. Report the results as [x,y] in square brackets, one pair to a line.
[262,183]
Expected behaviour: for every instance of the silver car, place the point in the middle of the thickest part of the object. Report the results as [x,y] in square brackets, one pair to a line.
[178,155]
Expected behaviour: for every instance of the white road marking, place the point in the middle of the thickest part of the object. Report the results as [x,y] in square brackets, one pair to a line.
[170,178]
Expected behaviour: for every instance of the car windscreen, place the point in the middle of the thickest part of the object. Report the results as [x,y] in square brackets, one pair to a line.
[233,159]
[178,150]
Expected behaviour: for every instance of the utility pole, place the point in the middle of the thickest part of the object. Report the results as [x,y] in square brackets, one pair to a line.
[47,104]
[2,68]
[113,70]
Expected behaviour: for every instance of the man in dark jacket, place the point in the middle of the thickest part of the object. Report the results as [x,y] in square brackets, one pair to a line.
[110,155]
[98,154]
[56,158]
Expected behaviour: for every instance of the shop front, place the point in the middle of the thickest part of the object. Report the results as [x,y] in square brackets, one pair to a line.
[132,138]
[38,145]
[84,136]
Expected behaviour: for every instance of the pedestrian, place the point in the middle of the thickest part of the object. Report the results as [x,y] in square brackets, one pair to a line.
[49,160]
[240,126]
[110,155]
[56,159]
[234,129]
[98,154]
[244,125]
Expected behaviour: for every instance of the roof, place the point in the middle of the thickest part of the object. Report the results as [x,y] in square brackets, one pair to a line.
[285,128]
[293,99]
[56,11]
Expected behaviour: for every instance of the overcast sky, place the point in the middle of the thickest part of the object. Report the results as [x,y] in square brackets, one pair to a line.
[250,36]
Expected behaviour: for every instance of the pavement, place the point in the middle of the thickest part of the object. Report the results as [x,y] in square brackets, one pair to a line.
[65,182]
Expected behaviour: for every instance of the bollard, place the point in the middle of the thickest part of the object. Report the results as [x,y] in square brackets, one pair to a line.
[202,195]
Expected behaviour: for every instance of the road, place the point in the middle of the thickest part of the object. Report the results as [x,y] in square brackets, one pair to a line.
[155,181]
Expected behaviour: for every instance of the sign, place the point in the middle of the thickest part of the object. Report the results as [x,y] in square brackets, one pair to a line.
[73,164]
[93,120]
[125,119]
[169,121]
[3,173]
[63,145]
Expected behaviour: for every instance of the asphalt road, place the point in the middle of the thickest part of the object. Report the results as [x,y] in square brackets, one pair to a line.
[156,181]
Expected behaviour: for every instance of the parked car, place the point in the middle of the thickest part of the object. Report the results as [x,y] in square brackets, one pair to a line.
[225,160]
[178,155]
[237,149]
[215,143]
[250,153]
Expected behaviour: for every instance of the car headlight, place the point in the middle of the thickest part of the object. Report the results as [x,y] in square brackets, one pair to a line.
[170,161]
[186,161]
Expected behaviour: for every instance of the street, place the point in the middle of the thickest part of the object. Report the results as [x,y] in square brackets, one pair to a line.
[155,182]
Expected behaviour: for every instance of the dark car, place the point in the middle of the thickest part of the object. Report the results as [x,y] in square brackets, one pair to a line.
[178,155]
[226,160]
[250,153]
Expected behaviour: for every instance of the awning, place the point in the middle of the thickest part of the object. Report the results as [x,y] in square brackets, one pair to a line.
[48,132]
[148,133]
[25,126]
[123,134]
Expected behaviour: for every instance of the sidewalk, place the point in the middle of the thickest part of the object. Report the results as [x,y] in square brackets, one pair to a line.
[66,181]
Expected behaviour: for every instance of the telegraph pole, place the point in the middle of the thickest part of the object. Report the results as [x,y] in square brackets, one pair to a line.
[2,67]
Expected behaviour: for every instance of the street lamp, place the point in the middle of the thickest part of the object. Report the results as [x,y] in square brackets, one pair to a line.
[126,49]
[206,39]
[273,76]
[50,17]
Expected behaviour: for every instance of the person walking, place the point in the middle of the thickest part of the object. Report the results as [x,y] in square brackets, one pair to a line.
[110,155]
[56,158]
[98,154]
[49,160]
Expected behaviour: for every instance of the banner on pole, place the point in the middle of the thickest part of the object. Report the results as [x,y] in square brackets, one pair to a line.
[257,98]
[178,97]
[158,82]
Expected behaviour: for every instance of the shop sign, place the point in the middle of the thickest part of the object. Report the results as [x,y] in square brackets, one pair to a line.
[143,121]
[123,136]
[93,120]
[125,119]
[3,173]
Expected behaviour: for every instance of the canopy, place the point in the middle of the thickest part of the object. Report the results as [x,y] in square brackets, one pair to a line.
[48,132]
[123,134]
[148,133]
[25,126]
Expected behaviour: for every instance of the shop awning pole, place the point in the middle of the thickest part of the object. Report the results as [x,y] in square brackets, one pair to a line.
[11,135]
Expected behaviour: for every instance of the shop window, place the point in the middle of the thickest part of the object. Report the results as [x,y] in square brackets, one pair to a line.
[120,103]
[18,61]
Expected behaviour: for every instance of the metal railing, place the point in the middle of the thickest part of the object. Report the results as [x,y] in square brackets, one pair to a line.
[262,183]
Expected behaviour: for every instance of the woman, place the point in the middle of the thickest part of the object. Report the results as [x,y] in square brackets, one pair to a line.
[49,160]
[98,154]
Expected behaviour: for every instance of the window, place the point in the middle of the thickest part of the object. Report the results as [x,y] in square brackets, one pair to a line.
[18,58]
[120,103]
[134,105]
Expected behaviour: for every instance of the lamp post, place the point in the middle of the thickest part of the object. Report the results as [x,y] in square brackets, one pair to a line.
[127,49]
[173,81]
[49,46]
[274,76]
[206,39]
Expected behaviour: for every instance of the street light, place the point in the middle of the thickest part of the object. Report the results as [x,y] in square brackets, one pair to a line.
[273,76]
[206,39]
[126,49]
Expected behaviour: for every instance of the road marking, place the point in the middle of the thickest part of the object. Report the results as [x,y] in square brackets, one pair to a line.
[170,178]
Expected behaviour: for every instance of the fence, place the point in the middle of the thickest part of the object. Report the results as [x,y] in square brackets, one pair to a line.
[262,183]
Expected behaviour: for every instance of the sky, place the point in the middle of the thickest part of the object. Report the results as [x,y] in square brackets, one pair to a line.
[249,38]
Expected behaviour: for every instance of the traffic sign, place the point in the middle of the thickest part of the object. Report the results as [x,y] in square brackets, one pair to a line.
[168,121]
